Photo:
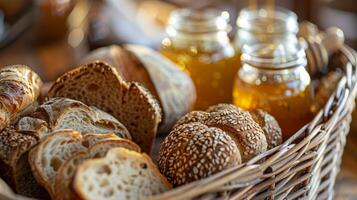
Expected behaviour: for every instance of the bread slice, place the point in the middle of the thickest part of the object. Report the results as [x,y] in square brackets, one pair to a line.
[64,113]
[67,170]
[172,87]
[57,113]
[122,174]
[98,84]
[48,156]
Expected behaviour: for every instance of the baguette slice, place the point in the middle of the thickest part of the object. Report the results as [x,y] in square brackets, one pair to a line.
[19,88]
[67,170]
[122,174]
[48,156]
[98,84]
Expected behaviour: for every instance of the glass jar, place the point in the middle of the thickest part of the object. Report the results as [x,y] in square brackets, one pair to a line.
[273,77]
[264,24]
[198,42]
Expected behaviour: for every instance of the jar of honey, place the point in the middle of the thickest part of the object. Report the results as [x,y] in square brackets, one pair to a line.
[273,77]
[198,42]
[263,25]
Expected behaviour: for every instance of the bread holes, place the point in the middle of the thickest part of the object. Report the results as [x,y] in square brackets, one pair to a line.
[56,163]
[105,169]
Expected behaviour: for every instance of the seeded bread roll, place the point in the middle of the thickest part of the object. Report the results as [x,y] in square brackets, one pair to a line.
[19,88]
[173,88]
[268,123]
[270,126]
[204,143]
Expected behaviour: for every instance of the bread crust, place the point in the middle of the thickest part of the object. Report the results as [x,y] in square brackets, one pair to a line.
[19,88]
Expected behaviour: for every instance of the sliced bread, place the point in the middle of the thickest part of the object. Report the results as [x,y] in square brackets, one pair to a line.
[67,170]
[98,84]
[64,113]
[48,156]
[122,174]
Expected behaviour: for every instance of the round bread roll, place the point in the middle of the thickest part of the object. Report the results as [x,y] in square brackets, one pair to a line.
[189,153]
[268,123]
[270,126]
[193,151]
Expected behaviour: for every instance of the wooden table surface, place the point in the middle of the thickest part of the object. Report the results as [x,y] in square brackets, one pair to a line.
[52,60]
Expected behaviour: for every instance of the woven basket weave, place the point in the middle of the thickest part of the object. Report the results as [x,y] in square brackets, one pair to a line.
[305,166]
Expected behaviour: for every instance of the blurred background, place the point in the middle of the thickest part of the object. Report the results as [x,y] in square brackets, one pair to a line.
[52,35]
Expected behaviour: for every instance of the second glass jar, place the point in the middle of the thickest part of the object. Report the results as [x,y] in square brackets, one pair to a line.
[198,42]
[273,78]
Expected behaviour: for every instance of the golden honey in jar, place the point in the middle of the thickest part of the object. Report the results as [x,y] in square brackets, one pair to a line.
[265,24]
[198,42]
[273,77]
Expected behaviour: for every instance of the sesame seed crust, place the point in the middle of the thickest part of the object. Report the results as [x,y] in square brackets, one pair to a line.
[194,151]
[203,143]
[270,126]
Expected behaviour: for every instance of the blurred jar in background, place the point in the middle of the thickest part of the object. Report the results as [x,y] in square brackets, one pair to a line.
[198,42]
[273,77]
[265,24]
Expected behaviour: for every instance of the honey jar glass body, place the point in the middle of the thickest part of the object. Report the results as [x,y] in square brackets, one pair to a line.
[263,25]
[273,78]
[197,41]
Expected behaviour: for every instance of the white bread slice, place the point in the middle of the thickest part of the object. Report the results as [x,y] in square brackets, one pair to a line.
[64,113]
[98,84]
[122,174]
[66,172]
[48,156]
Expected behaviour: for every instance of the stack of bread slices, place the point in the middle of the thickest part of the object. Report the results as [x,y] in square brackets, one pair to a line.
[84,141]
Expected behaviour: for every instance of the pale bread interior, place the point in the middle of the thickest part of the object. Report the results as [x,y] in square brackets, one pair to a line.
[122,174]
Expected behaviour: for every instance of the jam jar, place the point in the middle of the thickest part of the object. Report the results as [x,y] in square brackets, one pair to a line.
[197,41]
[273,77]
[265,24]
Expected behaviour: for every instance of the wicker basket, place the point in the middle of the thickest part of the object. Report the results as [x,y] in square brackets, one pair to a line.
[305,166]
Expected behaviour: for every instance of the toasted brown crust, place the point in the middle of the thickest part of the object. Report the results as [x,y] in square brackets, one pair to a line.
[270,126]
[120,99]
[19,88]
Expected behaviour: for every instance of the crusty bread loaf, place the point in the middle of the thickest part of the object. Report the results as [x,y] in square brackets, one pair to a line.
[48,156]
[173,88]
[19,88]
[66,171]
[204,143]
[122,174]
[64,113]
[98,84]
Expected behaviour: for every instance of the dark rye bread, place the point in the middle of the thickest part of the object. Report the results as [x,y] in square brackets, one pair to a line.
[55,114]
[98,84]
[172,87]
